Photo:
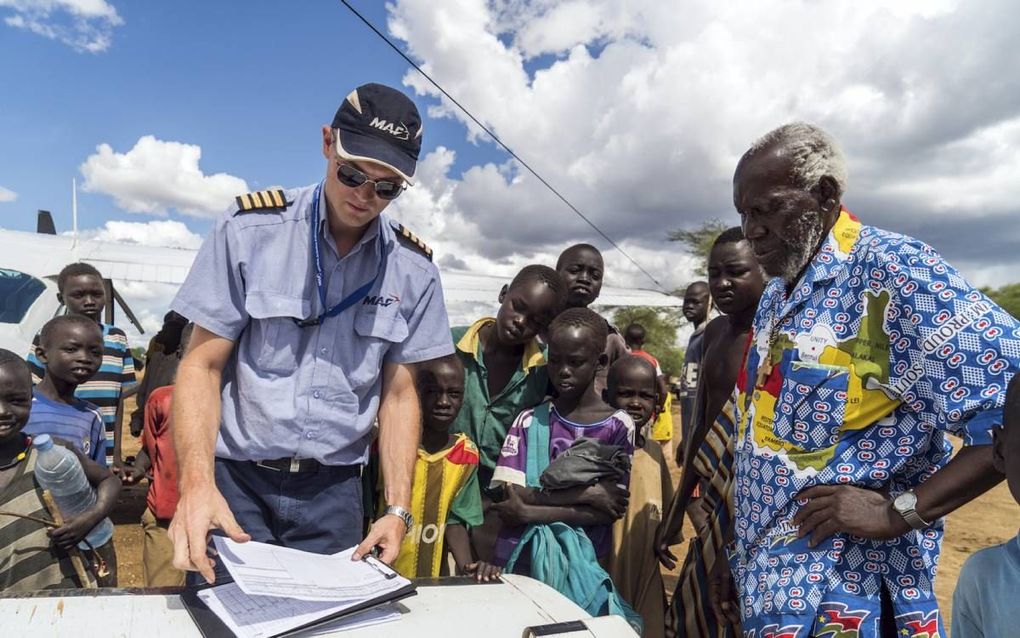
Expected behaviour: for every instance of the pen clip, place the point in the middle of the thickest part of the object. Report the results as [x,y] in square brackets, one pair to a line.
[379,566]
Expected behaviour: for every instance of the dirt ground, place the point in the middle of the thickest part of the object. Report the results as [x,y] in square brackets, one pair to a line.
[989,520]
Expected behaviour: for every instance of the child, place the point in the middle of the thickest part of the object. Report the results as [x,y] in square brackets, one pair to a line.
[582,268]
[81,289]
[504,370]
[632,387]
[736,283]
[576,341]
[157,455]
[662,430]
[33,555]
[71,349]
[445,497]
[986,591]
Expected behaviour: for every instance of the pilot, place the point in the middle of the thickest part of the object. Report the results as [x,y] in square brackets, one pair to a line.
[311,309]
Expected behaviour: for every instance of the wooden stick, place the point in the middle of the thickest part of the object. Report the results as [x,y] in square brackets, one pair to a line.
[76,559]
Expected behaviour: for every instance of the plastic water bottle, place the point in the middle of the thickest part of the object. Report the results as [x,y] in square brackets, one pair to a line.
[57,469]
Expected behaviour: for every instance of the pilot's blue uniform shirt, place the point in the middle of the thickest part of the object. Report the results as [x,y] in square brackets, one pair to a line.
[309,392]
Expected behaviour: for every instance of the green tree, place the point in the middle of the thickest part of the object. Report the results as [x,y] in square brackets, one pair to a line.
[661,325]
[698,241]
[1008,297]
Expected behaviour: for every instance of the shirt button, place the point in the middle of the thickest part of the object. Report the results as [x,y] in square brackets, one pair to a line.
[309,435]
[316,394]
[323,350]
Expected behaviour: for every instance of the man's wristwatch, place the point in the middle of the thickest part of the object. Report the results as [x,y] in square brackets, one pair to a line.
[905,505]
[404,515]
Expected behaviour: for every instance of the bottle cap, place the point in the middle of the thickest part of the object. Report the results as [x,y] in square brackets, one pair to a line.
[42,442]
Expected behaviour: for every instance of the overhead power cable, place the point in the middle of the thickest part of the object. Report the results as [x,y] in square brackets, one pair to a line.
[500,142]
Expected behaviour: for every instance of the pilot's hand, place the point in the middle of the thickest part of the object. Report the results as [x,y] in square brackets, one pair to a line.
[387,533]
[199,510]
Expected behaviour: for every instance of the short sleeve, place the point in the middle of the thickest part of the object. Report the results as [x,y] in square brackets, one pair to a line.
[428,327]
[38,371]
[966,612]
[213,294]
[466,508]
[513,457]
[127,372]
[953,350]
[97,441]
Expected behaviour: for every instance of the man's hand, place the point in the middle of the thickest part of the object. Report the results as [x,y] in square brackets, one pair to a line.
[697,510]
[722,594]
[606,496]
[198,511]
[832,509]
[661,547]
[386,533]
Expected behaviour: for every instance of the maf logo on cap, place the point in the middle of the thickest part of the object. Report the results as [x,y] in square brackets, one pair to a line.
[379,124]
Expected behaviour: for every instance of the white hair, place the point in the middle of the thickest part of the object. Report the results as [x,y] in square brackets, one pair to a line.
[813,153]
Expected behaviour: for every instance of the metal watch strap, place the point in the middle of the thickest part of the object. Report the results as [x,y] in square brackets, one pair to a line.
[914,519]
[403,514]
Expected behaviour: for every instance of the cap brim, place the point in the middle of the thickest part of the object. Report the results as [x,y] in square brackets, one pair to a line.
[364,148]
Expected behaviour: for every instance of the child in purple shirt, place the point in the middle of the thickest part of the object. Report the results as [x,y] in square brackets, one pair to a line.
[576,340]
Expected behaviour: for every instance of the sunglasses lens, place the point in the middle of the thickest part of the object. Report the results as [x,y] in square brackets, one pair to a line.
[350,176]
[388,190]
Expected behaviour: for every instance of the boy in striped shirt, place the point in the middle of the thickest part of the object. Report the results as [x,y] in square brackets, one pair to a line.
[80,288]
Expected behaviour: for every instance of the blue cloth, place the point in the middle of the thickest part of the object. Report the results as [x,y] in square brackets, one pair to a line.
[563,556]
[878,351]
[309,392]
[80,425]
[985,600]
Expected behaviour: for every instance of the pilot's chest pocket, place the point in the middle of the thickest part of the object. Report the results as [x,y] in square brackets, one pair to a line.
[811,405]
[375,333]
[274,338]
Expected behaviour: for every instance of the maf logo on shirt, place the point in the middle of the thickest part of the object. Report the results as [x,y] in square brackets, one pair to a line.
[379,300]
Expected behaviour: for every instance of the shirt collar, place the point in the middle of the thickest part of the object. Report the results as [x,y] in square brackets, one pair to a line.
[835,252]
[532,357]
[373,232]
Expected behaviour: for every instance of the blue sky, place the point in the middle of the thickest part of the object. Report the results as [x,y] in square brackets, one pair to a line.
[636,111]
[250,83]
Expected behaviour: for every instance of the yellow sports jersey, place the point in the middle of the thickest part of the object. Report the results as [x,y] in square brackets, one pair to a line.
[445,489]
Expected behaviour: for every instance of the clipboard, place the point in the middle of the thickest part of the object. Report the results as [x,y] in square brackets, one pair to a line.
[211,626]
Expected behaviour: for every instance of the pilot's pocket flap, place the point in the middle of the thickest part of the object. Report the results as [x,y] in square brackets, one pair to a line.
[264,305]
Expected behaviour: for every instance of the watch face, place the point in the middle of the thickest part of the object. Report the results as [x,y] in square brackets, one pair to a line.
[905,501]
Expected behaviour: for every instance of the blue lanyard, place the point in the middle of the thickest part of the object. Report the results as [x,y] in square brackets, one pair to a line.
[350,299]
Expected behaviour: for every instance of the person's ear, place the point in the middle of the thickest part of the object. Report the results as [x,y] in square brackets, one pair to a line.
[828,194]
[603,361]
[998,450]
[327,141]
[605,396]
[40,354]
[60,298]
[502,292]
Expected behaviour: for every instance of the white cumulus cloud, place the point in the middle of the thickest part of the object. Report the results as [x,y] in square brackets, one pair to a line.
[84,25]
[161,233]
[7,195]
[638,111]
[156,176]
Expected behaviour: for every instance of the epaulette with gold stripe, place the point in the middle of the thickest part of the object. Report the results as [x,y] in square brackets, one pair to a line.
[412,240]
[261,200]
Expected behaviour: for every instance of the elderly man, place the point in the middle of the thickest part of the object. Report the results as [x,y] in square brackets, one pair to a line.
[867,348]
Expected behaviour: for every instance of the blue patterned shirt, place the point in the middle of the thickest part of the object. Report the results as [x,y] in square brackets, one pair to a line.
[880,350]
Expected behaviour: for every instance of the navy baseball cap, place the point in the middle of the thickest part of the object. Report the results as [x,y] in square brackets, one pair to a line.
[379,124]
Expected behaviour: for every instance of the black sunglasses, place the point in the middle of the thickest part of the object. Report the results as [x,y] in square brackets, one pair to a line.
[353,178]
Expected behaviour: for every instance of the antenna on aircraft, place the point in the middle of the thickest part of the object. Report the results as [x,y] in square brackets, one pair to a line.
[74,213]
[44,223]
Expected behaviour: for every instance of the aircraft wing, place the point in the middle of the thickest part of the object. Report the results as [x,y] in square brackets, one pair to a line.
[460,285]
[44,255]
